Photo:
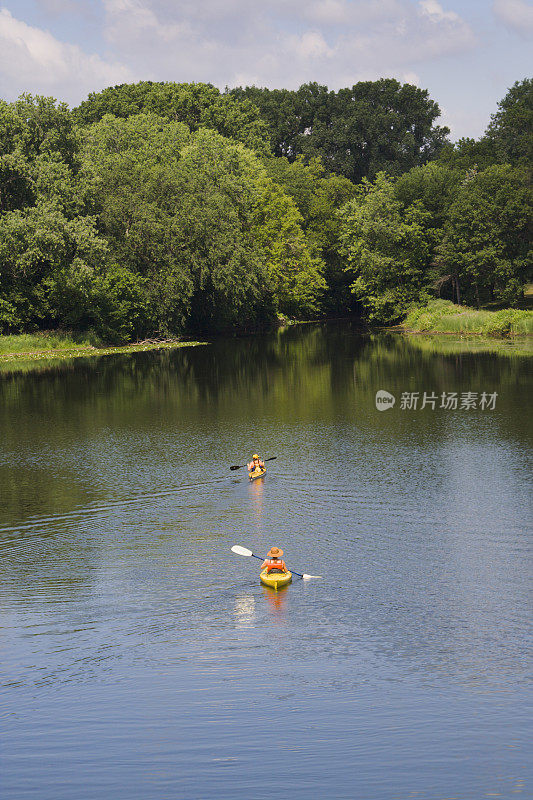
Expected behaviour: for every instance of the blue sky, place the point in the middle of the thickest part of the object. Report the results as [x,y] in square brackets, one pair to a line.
[466,53]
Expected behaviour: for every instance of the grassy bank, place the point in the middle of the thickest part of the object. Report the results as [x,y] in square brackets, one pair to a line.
[443,316]
[443,344]
[52,346]
[46,341]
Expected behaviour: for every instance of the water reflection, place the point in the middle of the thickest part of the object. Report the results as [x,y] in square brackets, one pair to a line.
[256,489]
[277,603]
[245,616]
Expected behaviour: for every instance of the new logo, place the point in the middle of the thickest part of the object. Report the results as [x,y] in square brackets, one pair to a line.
[384,400]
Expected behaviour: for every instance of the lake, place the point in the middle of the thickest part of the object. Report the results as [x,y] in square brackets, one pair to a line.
[143,660]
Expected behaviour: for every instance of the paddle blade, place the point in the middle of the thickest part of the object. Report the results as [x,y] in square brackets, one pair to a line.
[237,467]
[310,577]
[241,551]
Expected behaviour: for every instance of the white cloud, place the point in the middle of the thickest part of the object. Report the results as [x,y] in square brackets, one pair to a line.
[435,12]
[516,15]
[328,12]
[310,45]
[235,42]
[222,41]
[32,60]
[135,19]
[411,77]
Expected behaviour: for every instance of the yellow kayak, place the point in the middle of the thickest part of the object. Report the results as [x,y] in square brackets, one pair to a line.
[276,580]
[257,473]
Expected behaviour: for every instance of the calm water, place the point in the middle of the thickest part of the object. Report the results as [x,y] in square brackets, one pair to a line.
[141,659]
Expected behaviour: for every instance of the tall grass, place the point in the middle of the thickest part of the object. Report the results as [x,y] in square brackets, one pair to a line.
[443,316]
[48,340]
[24,361]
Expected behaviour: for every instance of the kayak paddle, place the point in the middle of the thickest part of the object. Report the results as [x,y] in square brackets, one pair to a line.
[240,466]
[243,551]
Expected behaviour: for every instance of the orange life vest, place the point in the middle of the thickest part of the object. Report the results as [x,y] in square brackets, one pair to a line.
[270,565]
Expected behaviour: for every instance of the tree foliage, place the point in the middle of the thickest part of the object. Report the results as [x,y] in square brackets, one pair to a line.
[294,270]
[198,105]
[318,197]
[128,169]
[486,241]
[510,130]
[434,186]
[196,214]
[387,248]
[47,238]
[507,140]
[160,207]
[462,235]
[357,132]
[137,225]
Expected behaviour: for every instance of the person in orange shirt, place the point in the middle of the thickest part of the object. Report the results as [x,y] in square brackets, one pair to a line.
[274,562]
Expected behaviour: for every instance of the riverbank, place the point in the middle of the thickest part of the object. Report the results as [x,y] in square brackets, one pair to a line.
[57,346]
[443,316]
[46,341]
[69,344]
[449,344]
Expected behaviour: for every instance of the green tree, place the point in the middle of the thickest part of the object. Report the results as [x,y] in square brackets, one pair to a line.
[357,131]
[196,214]
[387,249]
[282,113]
[434,186]
[295,273]
[214,229]
[176,209]
[122,309]
[50,251]
[469,153]
[198,105]
[130,168]
[507,140]
[40,126]
[510,130]
[38,153]
[318,197]
[486,245]
[48,266]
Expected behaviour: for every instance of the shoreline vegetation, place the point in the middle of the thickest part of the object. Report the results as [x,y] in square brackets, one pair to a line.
[449,344]
[434,322]
[445,317]
[53,346]
[156,211]
[435,344]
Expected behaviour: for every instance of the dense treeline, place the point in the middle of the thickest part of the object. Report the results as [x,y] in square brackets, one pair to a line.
[357,132]
[160,207]
[459,227]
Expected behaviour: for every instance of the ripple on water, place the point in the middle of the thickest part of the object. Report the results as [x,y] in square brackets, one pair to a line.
[141,658]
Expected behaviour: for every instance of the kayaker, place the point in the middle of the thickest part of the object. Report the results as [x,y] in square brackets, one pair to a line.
[274,562]
[256,463]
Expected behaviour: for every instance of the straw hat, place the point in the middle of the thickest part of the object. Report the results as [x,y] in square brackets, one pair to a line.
[274,552]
